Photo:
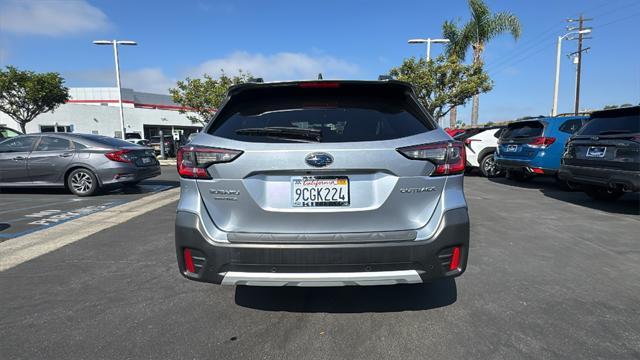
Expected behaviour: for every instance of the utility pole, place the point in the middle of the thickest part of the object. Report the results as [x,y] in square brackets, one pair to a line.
[578,53]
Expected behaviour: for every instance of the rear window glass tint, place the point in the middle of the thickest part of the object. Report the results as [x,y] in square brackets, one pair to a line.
[612,125]
[109,141]
[523,130]
[340,117]
[571,126]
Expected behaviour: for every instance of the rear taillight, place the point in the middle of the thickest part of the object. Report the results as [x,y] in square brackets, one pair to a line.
[192,161]
[542,142]
[119,156]
[449,157]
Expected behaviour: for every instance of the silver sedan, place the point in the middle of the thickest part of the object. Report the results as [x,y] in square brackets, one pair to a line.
[83,163]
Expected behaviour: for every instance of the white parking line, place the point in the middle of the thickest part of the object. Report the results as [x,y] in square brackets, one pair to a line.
[15,251]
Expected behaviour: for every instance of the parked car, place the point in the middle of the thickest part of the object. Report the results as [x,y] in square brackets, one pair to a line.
[169,146]
[141,142]
[83,163]
[604,156]
[321,183]
[481,144]
[534,146]
[6,132]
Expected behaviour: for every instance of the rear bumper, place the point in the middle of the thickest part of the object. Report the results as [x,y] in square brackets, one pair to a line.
[630,180]
[127,173]
[526,166]
[379,263]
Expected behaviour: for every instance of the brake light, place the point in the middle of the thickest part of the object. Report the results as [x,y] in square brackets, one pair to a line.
[468,141]
[542,142]
[319,84]
[192,161]
[119,156]
[449,157]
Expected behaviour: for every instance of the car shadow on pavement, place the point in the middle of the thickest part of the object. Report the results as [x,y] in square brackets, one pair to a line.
[629,204]
[349,299]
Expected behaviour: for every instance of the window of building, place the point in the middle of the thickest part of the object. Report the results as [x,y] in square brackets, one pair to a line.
[60,128]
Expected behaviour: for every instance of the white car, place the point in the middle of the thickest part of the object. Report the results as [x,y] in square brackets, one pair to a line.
[481,144]
[141,142]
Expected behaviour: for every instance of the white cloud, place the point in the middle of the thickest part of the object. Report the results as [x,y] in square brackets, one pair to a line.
[279,66]
[152,79]
[51,18]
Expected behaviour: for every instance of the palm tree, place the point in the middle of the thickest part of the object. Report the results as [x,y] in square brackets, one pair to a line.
[482,27]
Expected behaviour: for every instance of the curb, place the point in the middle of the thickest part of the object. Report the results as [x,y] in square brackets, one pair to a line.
[16,251]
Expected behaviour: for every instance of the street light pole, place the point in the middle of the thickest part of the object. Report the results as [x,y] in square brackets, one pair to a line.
[115,44]
[554,110]
[428,41]
[115,55]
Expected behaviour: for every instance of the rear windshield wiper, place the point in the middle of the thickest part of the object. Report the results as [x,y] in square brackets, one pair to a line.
[283,132]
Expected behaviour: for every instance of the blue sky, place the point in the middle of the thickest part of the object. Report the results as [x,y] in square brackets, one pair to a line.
[281,40]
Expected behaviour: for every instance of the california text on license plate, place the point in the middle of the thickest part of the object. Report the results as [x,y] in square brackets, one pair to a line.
[311,191]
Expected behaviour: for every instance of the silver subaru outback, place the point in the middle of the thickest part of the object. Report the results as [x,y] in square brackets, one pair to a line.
[321,183]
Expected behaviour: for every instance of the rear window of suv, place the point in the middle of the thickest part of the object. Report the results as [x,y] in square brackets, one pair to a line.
[524,129]
[338,115]
[612,126]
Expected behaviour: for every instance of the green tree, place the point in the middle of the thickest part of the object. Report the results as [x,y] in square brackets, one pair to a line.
[480,29]
[443,83]
[25,94]
[203,97]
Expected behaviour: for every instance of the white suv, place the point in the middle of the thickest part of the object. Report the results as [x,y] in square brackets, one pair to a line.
[481,144]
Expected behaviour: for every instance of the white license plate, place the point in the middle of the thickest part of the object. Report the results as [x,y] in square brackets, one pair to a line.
[596,151]
[512,148]
[314,191]
[146,160]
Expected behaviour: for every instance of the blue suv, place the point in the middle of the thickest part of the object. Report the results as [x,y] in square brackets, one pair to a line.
[534,147]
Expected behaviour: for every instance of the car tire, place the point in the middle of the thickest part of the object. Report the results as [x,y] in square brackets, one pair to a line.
[603,193]
[82,182]
[488,167]
[517,176]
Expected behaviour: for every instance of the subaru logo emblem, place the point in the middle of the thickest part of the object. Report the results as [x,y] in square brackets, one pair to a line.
[319,159]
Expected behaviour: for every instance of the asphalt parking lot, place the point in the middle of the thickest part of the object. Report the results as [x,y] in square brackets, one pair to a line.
[552,275]
[24,211]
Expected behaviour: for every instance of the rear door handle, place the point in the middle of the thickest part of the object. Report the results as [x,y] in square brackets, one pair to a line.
[18,158]
[65,155]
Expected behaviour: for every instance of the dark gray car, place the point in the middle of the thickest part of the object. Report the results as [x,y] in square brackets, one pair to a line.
[83,163]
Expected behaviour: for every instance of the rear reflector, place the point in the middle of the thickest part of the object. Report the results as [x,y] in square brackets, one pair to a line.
[542,142]
[188,261]
[449,157]
[537,171]
[192,161]
[319,85]
[455,258]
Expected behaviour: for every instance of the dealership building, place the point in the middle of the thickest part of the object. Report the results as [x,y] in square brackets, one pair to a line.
[96,111]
